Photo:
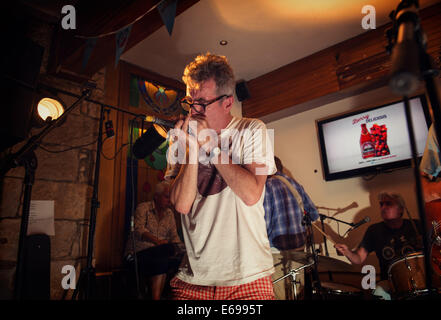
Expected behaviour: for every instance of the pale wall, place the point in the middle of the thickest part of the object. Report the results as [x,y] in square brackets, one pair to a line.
[296,144]
[237,108]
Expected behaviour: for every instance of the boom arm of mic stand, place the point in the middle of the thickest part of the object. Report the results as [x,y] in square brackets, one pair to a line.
[429,73]
[323,217]
[15,159]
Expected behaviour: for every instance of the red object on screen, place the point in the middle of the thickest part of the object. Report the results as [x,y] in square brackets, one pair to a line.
[379,138]
[366,145]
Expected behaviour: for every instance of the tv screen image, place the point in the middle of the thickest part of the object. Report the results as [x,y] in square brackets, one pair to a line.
[371,140]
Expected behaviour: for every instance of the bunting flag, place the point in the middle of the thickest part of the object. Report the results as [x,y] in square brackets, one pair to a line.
[121,38]
[90,44]
[167,10]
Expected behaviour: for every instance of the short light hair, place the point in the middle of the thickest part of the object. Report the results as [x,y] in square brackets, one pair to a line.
[394,196]
[161,187]
[279,164]
[210,66]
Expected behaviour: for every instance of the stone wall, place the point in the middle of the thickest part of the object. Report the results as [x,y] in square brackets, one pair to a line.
[65,177]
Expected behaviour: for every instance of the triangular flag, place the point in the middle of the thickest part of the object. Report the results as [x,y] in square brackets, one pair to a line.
[167,10]
[121,38]
[90,44]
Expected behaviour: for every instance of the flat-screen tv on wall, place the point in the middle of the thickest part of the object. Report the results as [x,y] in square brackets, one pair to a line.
[371,140]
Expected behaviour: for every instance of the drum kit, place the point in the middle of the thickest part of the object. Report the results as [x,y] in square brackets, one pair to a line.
[406,278]
[325,285]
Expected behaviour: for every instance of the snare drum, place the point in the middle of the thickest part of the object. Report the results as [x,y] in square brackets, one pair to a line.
[338,291]
[408,276]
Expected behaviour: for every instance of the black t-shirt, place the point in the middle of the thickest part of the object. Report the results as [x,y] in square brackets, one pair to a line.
[391,244]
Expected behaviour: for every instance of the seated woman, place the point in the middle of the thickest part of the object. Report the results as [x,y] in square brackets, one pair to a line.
[156,240]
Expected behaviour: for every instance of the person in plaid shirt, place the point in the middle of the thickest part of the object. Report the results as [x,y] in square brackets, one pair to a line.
[284,217]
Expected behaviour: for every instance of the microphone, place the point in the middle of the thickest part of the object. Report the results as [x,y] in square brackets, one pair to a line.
[151,139]
[405,69]
[359,223]
[162,122]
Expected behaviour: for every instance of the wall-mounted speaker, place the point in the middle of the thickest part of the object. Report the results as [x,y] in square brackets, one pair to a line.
[37,268]
[242,92]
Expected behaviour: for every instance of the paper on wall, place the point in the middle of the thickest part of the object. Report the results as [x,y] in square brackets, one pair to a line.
[41,217]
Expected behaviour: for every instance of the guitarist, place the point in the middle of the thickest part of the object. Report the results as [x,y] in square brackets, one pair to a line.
[430,168]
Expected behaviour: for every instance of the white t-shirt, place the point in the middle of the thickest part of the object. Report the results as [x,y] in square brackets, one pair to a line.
[226,240]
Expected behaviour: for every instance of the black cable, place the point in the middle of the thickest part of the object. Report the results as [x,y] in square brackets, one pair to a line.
[114,156]
[69,148]
[20,200]
[132,223]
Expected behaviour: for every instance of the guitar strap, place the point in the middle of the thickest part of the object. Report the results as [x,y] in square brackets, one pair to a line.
[294,192]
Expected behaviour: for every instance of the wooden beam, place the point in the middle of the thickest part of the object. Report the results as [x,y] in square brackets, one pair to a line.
[352,66]
[98,18]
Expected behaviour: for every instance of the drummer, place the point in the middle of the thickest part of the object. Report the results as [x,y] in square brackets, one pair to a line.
[390,239]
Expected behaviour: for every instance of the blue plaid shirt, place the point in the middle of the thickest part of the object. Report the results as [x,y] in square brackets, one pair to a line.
[282,212]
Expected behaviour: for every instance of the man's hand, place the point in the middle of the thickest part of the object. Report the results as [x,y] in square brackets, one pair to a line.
[207,139]
[357,257]
[183,137]
[342,248]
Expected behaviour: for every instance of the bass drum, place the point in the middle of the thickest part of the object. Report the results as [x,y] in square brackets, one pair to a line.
[407,277]
[341,285]
[338,291]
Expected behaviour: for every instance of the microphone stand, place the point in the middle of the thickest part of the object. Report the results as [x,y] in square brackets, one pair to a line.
[429,72]
[322,218]
[26,157]
[315,281]
[86,281]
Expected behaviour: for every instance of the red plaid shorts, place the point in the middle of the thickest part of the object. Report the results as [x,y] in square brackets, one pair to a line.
[260,289]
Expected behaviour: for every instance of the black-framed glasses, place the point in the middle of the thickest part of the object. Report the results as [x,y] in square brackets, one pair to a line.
[387,203]
[187,103]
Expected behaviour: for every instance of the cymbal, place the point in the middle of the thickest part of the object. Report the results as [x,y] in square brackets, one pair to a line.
[331,264]
[325,263]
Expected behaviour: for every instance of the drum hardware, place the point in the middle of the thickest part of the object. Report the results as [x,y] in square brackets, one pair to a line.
[293,273]
[314,259]
[412,280]
[307,222]
[337,291]
[437,241]
[408,279]
[322,231]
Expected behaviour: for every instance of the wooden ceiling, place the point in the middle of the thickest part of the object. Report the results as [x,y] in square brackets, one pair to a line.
[96,18]
[347,68]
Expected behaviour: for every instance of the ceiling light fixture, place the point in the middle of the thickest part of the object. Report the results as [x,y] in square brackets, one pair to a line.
[223,42]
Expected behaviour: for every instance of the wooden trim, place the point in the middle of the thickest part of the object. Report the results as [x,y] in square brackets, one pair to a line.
[128,69]
[355,65]
[104,246]
[109,235]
